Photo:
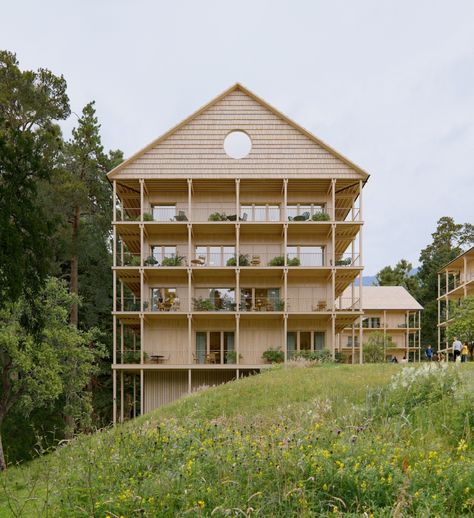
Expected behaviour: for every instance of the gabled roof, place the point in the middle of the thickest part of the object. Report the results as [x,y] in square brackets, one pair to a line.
[458,261]
[238,87]
[385,297]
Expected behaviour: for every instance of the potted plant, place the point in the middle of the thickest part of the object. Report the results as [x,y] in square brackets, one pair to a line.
[243,261]
[181,216]
[320,216]
[150,261]
[201,304]
[344,262]
[274,355]
[174,260]
[294,261]
[279,305]
[279,260]
[217,216]
[147,216]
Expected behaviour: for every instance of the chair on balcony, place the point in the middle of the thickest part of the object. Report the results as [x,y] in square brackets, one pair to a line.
[199,261]
[255,261]
[320,306]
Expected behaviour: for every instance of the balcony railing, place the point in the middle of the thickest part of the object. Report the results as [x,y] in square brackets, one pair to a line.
[128,259]
[307,305]
[128,304]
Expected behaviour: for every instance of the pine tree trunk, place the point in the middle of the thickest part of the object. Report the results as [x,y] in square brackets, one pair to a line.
[74,284]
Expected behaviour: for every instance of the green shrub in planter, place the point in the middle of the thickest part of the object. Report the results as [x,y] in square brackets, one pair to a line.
[174,260]
[201,304]
[320,216]
[279,260]
[243,261]
[147,216]
[217,216]
[294,261]
[274,355]
[231,356]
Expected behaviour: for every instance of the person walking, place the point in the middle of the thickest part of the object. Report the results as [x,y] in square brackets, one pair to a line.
[429,353]
[457,346]
[464,352]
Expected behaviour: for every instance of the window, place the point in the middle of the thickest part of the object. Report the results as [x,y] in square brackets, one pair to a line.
[164,299]
[305,255]
[303,211]
[215,255]
[160,252]
[163,212]
[215,347]
[371,322]
[304,341]
[260,299]
[260,212]
[356,341]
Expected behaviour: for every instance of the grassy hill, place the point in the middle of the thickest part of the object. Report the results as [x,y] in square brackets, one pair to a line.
[297,442]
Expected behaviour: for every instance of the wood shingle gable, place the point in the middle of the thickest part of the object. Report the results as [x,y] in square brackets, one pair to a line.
[279,146]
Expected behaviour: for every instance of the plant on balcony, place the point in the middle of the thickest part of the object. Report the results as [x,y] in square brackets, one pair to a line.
[278,305]
[274,355]
[174,260]
[202,304]
[293,261]
[243,261]
[217,216]
[181,216]
[279,260]
[344,262]
[320,216]
[231,356]
[130,259]
[302,217]
[150,261]
[147,216]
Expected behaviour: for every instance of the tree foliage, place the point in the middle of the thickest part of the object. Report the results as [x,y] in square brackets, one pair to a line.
[448,241]
[400,275]
[375,346]
[462,325]
[37,370]
[30,103]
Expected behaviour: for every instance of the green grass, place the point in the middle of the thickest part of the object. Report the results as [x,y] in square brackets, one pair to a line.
[321,441]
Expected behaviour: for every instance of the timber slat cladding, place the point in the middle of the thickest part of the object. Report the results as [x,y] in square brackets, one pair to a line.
[276,145]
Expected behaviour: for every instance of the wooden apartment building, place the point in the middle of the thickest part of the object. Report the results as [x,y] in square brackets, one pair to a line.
[218,259]
[455,283]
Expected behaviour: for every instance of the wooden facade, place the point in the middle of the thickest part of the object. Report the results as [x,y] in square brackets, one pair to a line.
[455,283]
[217,259]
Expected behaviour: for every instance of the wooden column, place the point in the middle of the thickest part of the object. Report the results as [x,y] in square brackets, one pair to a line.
[439,312]
[361,264]
[353,344]
[190,339]
[285,334]
[121,396]
[190,382]
[237,339]
[114,372]
[333,335]
[190,206]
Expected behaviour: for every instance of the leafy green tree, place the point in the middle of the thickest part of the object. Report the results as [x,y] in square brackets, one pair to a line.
[448,242]
[375,346]
[463,321]
[30,103]
[400,275]
[38,370]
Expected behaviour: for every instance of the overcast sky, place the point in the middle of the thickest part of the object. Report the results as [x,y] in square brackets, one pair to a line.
[389,84]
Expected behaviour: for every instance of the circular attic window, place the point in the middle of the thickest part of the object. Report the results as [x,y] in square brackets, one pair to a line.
[237,144]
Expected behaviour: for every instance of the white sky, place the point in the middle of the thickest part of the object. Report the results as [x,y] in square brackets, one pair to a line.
[389,84]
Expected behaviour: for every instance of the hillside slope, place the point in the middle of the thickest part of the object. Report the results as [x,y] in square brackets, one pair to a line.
[325,440]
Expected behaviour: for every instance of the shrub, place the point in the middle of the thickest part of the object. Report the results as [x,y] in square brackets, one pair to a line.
[374,348]
[174,260]
[243,261]
[294,261]
[231,356]
[320,216]
[147,216]
[274,355]
[279,260]
[322,356]
[150,261]
[413,387]
[217,216]
[202,304]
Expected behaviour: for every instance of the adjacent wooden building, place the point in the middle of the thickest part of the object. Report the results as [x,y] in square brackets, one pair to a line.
[392,312]
[218,259]
[455,283]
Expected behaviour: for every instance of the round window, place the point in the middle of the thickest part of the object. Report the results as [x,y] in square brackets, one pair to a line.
[237,144]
